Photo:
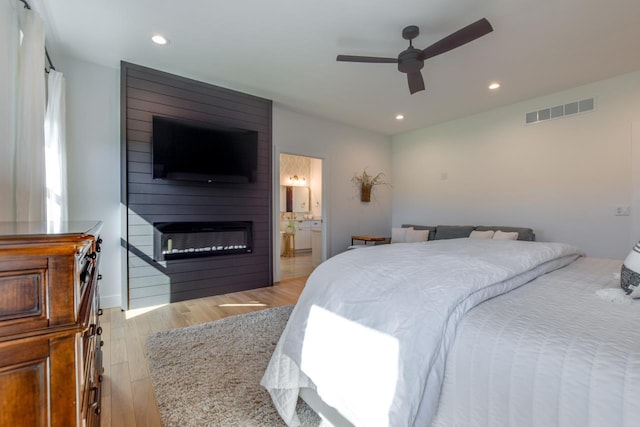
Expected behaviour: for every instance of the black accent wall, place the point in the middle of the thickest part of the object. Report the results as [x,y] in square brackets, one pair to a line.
[146,92]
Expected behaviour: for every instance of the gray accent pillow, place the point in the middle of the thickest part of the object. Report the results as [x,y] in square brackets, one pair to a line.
[523,233]
[453,231]
[432,229]
[630,273]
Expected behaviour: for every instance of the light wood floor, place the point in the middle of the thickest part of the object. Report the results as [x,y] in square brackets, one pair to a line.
[297,266]
[127,394]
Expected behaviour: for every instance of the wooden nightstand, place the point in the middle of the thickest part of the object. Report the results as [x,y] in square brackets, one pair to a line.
[289,244]
[366,238]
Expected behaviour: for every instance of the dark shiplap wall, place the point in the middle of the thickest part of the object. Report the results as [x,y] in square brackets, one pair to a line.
[147,92]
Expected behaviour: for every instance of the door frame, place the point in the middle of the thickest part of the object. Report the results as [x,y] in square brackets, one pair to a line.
[276,205]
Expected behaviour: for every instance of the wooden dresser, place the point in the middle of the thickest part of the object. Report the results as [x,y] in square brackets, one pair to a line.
[50,346]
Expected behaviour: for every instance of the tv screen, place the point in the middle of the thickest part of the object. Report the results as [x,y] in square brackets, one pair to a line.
[184,150]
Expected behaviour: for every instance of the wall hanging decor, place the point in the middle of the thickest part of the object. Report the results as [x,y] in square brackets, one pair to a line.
[366,183]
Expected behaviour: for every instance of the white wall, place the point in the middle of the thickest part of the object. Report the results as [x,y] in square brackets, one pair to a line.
[93,159]
[561,177]
[345,151]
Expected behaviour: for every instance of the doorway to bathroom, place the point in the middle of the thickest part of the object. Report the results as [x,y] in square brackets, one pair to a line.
[301,221]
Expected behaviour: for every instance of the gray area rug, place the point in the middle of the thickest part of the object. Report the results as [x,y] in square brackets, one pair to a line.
[209,374]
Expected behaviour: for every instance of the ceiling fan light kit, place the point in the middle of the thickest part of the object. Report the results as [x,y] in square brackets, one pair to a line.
[411,60]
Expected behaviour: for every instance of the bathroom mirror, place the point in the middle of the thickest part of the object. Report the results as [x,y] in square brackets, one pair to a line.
[294,199]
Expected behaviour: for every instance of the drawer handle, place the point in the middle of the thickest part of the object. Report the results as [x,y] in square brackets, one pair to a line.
[99,330]
[92,255]
[100,378]
[100,312]
[95,405]
[101,343]
[93,392]
[99,276]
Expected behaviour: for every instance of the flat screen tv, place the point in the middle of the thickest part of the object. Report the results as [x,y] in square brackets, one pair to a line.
[193,151]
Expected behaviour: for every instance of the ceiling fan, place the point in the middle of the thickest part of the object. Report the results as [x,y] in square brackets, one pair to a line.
[411,60]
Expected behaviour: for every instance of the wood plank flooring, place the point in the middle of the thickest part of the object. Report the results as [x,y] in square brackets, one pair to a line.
[127,395]
[297,266]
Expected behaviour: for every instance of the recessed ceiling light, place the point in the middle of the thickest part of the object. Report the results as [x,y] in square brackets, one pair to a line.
[159,39]
[494,86]
[399,117]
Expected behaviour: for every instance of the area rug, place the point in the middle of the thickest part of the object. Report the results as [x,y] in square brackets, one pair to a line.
[209,374]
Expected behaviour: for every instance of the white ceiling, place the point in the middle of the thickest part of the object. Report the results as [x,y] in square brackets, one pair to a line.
[285,50]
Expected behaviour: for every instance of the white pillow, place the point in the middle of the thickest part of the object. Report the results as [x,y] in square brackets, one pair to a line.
[505,235]
[475,234]
[412,235]
[398,234]
[630,273]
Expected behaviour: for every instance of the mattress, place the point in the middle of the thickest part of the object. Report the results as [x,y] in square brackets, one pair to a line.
[550,353]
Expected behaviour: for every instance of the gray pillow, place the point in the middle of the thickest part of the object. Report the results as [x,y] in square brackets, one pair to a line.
[453,231]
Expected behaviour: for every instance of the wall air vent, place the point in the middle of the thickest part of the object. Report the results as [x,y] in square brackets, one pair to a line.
[560,111]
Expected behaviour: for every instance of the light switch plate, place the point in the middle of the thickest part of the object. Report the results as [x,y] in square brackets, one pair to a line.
[623,210]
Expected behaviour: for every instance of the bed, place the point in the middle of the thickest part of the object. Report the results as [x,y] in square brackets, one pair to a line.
[523,336]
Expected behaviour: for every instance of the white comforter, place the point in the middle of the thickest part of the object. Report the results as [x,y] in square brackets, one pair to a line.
[551,353]
[372,327]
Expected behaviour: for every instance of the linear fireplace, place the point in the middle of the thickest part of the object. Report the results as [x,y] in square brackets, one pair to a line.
[178,240]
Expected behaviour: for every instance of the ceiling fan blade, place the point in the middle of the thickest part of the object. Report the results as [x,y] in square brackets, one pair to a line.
[459,38]
[373,59]
[416,83]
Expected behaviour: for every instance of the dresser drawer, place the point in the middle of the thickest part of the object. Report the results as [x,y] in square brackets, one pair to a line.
[23,291]
[36,373]
[35,290]
[24,372]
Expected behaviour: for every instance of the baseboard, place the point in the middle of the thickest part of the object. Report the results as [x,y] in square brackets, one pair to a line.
[109,301]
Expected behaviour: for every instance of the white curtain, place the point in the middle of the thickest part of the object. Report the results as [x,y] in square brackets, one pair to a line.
[29,148]
[55,149]
[9,43]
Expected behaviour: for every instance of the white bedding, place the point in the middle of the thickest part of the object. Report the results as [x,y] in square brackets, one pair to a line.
[372,327]
[551,353]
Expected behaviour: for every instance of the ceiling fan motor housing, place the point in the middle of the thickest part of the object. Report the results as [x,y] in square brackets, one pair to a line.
[410,60]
